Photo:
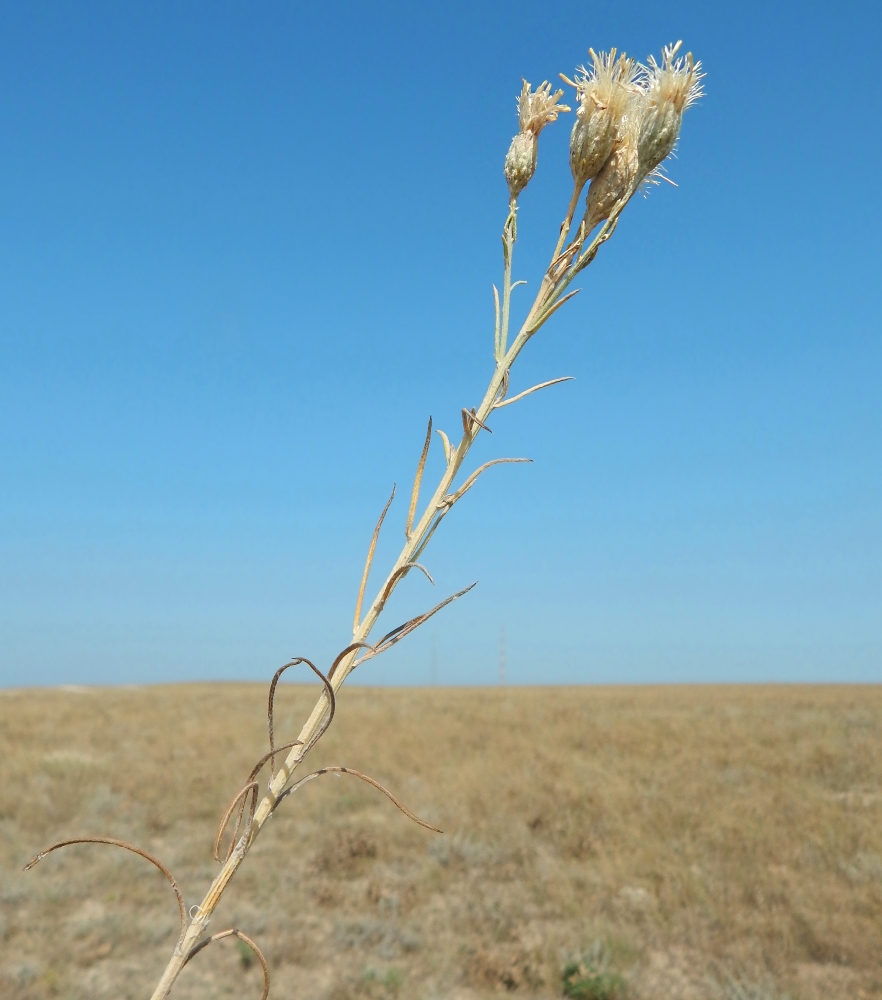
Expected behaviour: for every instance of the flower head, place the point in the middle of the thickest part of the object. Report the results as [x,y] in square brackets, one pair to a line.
[602,92]
[536,108]
[520,162]
[539,107]
[619,176]
[670,88]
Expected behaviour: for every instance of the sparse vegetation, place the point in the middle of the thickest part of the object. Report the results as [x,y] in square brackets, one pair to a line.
[581,981]
[691,830]
[590,977]
[734,987]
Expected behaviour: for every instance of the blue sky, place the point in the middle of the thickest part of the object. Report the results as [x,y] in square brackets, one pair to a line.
[246,250]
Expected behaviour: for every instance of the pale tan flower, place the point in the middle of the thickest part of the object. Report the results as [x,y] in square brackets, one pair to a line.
[619,176]
[646,131]
[602,92]
[670,88]
[536,108]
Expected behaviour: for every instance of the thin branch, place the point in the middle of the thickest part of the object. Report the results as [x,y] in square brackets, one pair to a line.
[126,847]
[415,495]
[364,777]
[526,392]
[606,231]
[568,221]
[451,498]
[509,235]
[496,328]
[370,559]
[429,533]
[235,932]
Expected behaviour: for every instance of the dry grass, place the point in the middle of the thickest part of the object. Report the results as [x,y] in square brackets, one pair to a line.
[678,836]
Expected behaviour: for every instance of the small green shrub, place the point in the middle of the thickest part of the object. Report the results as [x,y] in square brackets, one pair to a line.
[582,981]
[246,955]
[393,980]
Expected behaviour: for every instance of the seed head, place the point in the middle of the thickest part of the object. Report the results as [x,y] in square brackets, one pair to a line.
[602,92]
[535,110]
[670,88]
[520,162]
[619,176]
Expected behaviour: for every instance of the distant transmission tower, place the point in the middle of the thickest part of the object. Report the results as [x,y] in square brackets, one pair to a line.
[502,655]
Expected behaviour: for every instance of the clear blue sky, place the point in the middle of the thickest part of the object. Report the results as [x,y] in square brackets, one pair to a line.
[247,249]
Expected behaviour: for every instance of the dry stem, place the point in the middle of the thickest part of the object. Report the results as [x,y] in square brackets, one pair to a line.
[560,273]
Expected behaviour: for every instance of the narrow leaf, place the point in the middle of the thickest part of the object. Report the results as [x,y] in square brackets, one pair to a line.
[526,392]
[113,842]
[364,777]
[235,932]
[451,498]
[397,634]
[550,312]
[448,448]
[419,566]
[470,417]
[370,559]
[415,495]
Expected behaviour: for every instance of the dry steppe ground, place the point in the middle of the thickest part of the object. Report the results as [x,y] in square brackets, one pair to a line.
[702,842]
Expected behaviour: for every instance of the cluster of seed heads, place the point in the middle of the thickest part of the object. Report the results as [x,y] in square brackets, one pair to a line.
[627,122]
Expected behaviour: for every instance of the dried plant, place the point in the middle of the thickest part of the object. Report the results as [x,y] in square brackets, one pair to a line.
[628,118]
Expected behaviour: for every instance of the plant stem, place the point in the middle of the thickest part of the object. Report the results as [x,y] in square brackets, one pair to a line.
[568,221]
[414,543]
[509,235]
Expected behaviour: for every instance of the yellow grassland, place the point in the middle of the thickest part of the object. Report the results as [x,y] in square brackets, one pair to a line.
[680,836]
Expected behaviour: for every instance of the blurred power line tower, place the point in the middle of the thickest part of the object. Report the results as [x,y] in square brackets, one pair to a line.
[502,655]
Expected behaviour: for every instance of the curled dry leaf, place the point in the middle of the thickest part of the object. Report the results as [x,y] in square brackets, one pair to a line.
[448,448]
[235,932]
[272,694]
[364,777]
[113,842]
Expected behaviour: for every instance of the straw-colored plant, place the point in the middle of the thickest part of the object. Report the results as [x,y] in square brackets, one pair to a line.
[628,118]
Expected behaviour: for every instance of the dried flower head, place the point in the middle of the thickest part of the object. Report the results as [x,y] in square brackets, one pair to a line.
[535,110]
[520,162]
[670,89]
[619,176]
[539,107]
[602,92]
